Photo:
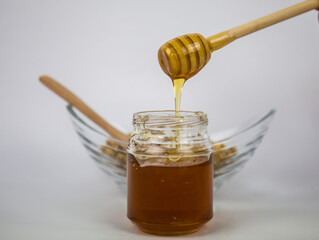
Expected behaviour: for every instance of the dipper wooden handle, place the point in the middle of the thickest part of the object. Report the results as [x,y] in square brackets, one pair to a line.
[218,41]
[71,98]
[184,56]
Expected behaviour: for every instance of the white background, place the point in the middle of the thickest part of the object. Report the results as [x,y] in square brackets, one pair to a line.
[106,52]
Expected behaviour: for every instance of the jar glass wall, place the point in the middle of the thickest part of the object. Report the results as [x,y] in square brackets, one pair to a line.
[170,172]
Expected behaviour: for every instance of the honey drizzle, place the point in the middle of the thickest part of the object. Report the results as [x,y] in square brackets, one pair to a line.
[178,87]
[178,84]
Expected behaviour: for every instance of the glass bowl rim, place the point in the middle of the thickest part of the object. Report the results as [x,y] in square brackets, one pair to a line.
[269,114]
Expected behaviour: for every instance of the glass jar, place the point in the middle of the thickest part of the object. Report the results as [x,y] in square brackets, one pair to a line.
[170,172]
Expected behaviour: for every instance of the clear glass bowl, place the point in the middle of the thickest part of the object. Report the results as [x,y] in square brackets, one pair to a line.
[233,147]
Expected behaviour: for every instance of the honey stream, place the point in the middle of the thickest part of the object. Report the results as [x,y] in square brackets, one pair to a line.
[178,84]
[178,87]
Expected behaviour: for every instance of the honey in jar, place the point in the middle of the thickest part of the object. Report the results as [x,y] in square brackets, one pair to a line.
[170,172]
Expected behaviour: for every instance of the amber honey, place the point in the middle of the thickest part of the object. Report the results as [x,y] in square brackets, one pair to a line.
[170,172]
[170,200]
[178,87]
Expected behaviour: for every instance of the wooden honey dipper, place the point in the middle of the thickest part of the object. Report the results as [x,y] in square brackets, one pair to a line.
[75,101]
[184,56]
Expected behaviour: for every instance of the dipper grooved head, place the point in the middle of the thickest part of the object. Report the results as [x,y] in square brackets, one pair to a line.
[184,56]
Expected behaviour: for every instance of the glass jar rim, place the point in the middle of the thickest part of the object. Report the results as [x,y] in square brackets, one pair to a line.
[167,117]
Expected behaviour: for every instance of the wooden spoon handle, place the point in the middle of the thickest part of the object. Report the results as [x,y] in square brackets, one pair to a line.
[274,18]
[219,40]
[71,98]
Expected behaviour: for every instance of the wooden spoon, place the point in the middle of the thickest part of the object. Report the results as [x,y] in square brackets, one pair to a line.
[184,56]
[71,98]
